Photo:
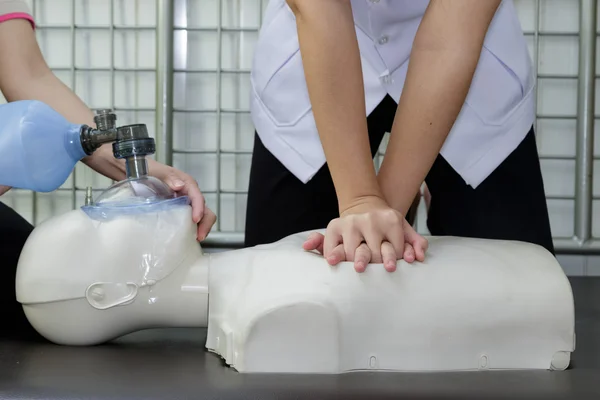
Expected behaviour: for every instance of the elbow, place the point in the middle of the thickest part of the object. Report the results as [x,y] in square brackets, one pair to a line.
[18,81]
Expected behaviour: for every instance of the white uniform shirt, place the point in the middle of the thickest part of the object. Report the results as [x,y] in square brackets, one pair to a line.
[496,116]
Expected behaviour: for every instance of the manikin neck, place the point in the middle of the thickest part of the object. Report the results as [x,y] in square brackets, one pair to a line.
[181,299]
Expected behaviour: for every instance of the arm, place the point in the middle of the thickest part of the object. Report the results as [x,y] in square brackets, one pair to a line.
[443,60]
[368,230]
[24,75]
[332,67]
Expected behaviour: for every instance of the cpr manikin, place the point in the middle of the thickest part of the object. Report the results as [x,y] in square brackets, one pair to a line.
[130,261]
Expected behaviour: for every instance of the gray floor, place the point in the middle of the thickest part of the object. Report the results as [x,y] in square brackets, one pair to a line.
[173,365]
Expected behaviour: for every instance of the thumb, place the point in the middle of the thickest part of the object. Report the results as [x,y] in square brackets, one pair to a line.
[314,242]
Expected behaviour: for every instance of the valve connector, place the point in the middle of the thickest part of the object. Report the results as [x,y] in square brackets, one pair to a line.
[105,120]
[133,140]
[133,144]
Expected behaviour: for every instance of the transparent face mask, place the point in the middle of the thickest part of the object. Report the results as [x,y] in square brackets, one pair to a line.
[134,196]
[154,223]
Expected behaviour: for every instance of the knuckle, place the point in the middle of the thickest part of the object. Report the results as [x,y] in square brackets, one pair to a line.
[396,217]
[390,219]
[369,224]
[333,224]
[351,222]
[389,214]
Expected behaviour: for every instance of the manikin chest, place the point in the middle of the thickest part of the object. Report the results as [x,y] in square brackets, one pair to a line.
[473,304]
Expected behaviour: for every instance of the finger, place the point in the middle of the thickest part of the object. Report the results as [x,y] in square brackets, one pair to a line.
[332,238]
[190,188]
[362,257]
[206,224]
[423,245]
[337,255]
[409,253]
[374,240]
[198,201]
[388,254]
[314,242]
[395,236]
[418,242]
[351,239]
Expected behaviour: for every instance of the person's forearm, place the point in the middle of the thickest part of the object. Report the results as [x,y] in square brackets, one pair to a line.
[24,75]
[49,89]
[442,63]
[332,67]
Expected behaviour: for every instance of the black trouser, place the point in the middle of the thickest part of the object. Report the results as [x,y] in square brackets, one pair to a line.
[14,231]
[510,204]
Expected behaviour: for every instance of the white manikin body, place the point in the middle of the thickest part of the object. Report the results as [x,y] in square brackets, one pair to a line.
[473,304]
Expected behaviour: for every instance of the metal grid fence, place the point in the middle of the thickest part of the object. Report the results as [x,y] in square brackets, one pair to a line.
[182,67]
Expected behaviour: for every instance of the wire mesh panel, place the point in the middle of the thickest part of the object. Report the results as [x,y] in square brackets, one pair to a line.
[552,30]
[212,129]
[104,50]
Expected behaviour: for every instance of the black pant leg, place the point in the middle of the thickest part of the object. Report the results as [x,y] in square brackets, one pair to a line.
[280,205]
[14,231]
[510,204]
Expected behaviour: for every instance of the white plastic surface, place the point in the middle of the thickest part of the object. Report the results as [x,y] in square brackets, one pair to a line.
[474,304]
[83,281]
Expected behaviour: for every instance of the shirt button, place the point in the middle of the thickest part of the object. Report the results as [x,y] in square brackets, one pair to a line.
[383,40]
[386,79]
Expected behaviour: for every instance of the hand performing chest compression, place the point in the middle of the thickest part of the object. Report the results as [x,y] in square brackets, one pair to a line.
[369,232]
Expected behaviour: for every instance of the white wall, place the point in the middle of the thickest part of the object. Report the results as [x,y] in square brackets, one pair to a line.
[211,95]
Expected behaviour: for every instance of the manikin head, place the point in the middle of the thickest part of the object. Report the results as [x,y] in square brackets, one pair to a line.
[128,262]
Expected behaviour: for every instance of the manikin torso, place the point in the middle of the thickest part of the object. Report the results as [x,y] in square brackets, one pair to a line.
[473,304]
